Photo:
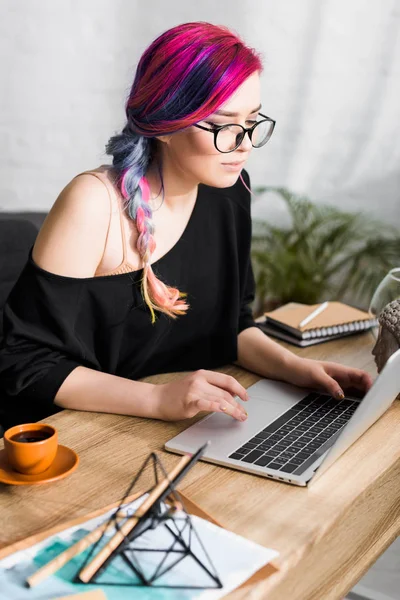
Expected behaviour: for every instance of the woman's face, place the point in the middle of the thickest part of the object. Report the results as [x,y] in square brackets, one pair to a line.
[191,154]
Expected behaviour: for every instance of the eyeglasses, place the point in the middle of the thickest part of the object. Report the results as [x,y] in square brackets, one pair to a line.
[229,137]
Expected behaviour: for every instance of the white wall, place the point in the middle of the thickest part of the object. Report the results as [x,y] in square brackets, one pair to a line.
[331,81]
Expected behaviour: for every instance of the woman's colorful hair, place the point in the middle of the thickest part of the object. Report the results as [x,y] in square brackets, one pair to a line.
[185,75]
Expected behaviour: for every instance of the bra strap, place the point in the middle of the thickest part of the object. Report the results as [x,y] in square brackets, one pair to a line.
[122,232]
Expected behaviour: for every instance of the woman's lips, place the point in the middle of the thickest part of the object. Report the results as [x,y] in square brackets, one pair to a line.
[233,166]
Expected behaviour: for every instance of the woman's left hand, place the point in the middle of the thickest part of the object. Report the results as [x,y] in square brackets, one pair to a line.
[328,376]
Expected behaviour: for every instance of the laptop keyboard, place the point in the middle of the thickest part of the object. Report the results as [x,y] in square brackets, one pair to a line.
[297,438]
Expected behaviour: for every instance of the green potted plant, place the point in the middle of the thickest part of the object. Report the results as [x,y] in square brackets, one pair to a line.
[326,253]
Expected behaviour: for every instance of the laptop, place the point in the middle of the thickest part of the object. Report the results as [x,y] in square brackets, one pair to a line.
[292,434]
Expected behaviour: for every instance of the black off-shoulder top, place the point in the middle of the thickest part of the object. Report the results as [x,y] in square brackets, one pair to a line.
[53,323]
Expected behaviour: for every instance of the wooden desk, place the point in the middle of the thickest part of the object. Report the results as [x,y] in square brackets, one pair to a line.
[327,535]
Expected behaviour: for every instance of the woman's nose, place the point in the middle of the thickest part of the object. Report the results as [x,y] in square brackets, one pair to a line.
[246,143]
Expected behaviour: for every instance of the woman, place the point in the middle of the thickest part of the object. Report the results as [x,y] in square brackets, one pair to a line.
[143,267]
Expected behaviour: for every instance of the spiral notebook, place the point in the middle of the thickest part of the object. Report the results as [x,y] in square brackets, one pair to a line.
[337,320]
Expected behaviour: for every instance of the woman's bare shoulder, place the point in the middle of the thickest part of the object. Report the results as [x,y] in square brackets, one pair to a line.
[72,238]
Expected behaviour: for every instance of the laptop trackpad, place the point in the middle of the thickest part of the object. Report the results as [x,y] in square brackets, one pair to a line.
[267,402]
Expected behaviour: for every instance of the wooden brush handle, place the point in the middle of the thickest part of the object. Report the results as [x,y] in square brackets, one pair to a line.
[87,572]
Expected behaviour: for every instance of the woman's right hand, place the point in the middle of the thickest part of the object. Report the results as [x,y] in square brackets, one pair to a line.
[199,391]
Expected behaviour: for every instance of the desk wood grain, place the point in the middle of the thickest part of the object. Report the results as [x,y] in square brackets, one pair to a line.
[327,535]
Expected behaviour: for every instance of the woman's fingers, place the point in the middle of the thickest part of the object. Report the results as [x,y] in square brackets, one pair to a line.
[330,385]
[349,376]
[208,405]
[223,397]
[226,382]
[217,406]
[203,394]
[360,379]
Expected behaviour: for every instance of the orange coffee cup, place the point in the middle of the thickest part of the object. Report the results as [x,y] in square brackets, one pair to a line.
[31,448]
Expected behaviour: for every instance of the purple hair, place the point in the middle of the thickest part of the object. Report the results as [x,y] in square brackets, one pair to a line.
[185,75]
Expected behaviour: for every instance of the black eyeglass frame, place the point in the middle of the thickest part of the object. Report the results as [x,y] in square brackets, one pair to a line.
[248,130]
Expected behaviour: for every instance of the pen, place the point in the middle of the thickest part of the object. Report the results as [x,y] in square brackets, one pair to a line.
[314,313]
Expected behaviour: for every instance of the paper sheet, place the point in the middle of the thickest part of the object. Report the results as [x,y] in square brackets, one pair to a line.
[234,558]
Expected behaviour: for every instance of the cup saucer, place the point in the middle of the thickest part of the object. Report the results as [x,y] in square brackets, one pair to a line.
[65,463]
